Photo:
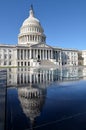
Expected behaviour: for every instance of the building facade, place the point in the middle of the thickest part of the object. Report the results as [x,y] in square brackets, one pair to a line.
[84,57]
[81,58]
[32,49]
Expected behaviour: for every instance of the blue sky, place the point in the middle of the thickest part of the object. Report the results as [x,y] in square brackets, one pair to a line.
[64,21]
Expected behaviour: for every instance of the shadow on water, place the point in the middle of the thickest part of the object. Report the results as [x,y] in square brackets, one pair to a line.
[36,98]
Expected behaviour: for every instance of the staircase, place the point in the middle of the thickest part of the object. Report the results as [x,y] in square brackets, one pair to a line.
[47,63]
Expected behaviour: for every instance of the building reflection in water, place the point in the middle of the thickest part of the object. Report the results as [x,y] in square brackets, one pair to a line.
[30,75]
[32,100]
[32,86]
[35,76]
[32,91]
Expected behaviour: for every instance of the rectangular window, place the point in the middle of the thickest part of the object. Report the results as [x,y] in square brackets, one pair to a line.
[25,63]
[21,63]
[4,50]
[9,56]
[28,63]
[9,62]
[9,69]
[18,63]
[5,56]
[9,50]
[9,76]
[5,62]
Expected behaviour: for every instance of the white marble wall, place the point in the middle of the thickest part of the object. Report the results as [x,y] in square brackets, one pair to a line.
[84,57]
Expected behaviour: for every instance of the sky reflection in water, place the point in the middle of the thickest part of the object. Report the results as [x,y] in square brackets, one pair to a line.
[46,99]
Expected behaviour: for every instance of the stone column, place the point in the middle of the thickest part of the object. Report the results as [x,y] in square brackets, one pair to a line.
[46,54]
[26,38]
[23,54]
[19,54]
[26,54]
[40,54]
[29,37]
[30,78]
[34,53]
[32,38]
[37,38]
[37,54]
[43,54]
[51,54]
[40,38]
[34,78]
[23,74]
[30,53]
[20,77]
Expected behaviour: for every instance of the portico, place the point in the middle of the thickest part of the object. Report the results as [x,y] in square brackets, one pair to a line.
[35,52]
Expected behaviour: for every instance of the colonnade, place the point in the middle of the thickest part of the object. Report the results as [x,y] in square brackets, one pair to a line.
[33,38]
[41,54]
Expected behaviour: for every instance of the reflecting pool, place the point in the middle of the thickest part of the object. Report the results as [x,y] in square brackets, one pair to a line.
[3,83]
[42,99]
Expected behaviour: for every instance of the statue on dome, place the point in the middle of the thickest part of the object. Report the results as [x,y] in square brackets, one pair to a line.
[31,7]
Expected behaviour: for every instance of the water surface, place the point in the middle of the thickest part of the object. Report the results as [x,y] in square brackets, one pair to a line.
[46,99]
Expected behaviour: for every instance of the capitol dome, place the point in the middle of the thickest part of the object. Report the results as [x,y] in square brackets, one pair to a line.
[31,31]
[31,20]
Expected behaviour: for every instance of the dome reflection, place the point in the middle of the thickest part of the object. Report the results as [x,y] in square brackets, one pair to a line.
[32,100]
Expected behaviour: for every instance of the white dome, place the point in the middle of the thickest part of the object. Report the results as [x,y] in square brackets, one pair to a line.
[31,31]
[31,20]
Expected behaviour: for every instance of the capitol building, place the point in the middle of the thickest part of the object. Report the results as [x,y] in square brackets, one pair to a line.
[32,49]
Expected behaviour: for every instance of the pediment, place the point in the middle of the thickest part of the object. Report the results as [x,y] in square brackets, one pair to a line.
[41,45]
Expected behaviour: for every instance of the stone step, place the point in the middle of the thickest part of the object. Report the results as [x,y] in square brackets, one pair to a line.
[47,63]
